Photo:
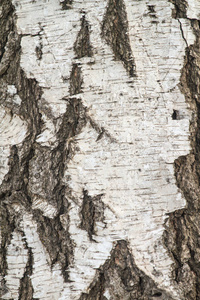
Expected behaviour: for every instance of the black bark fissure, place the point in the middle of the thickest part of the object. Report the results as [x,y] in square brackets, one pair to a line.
[7,223]
[92,211]
[115,32]
[181,236]
[82,46]
[121,277]
[6,25]
[76,80]
[26,288]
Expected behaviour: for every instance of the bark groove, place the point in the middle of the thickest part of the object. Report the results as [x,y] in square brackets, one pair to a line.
[115,32]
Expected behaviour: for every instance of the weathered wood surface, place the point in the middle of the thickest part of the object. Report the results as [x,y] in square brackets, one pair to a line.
[99,159]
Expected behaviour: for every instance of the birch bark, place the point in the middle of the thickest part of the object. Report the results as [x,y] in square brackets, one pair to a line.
[99,165]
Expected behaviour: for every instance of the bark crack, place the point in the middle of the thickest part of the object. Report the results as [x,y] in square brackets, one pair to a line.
[182,33]
[26,289]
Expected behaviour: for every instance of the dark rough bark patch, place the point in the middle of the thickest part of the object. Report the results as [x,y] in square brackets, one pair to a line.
[115,32]
[56,240]
[180,8]
[26,288]
[18,175]
[6,24]
[92,210]
[9,40]
[76,80]
[16,182]
[30,93]
[66,4]
[7,225]
[182,235]
[122,278]
[44,174]
[48,166]
[180,238]
[13,182]
[73,120]
[82,46]
[97,289]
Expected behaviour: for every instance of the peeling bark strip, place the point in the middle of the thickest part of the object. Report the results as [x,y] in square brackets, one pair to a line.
[86,156]
[115,32]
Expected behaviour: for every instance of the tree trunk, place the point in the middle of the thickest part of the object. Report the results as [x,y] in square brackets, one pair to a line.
[99,149]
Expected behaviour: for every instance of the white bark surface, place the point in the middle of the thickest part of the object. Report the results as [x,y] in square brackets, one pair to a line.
[132,164]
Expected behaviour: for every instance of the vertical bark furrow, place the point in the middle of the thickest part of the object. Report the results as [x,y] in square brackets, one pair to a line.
[7,226]
[76,80]
[92,211]
[26,288]
[115,33]
[56,240]
[82,46]
[66,4]
[6,25]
